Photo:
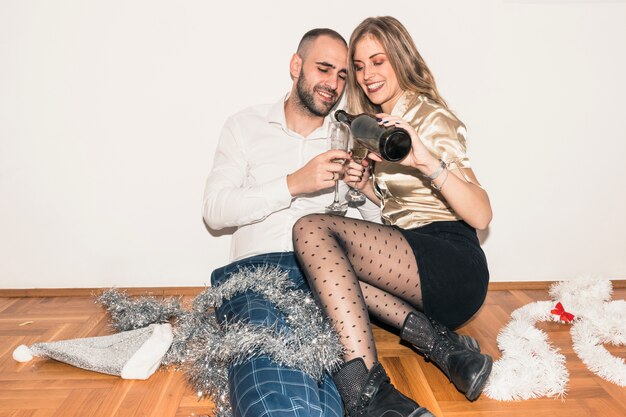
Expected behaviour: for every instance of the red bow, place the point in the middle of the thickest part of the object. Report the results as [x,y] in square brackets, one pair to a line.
[564,315]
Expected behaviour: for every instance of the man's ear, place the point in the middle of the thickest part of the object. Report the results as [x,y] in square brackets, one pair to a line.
[295,65]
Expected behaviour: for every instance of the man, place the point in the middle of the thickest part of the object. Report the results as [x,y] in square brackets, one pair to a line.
[272,166]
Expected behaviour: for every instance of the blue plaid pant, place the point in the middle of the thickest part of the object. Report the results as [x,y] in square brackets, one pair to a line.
[260,387]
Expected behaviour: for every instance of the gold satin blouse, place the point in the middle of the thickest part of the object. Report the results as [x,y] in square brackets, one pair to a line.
[407,198]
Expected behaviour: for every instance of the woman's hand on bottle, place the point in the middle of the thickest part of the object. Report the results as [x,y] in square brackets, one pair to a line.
[419,157]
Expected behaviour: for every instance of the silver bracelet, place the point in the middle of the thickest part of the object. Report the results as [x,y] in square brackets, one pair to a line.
[435,186]
[434,175]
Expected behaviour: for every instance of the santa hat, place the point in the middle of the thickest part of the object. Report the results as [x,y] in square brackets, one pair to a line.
[134,354]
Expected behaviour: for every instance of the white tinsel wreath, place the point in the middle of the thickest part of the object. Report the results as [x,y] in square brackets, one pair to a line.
[531,367]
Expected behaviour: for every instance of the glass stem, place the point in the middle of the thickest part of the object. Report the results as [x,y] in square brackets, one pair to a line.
[336,192]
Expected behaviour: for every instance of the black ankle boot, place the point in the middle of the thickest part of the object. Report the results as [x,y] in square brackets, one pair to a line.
[468,341]
[370,394]
[456,356]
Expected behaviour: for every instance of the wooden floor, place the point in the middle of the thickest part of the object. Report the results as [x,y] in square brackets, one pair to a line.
[43,388]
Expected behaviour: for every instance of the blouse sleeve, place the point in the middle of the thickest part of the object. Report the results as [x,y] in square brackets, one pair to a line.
[444,135]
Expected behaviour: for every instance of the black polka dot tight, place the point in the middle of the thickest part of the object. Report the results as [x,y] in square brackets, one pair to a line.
[354,266]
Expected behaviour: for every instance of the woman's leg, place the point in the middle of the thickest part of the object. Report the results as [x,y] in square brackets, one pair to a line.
[346,260]
[385,307]
[340,254]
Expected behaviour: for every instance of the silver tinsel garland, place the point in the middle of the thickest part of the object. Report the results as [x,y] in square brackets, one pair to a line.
[205,349]
[130,314]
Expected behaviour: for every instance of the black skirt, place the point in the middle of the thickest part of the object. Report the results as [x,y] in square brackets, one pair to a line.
[453,270]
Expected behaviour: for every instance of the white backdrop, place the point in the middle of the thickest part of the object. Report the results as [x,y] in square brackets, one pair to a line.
[110,112]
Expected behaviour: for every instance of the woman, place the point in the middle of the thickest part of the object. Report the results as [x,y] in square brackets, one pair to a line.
[423,271]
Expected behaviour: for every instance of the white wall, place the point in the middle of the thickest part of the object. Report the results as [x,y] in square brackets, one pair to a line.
[110,112]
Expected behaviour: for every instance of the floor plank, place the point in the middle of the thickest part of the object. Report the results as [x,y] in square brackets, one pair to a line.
[45,388]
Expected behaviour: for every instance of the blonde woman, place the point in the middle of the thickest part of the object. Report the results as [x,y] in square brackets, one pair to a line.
[422,272]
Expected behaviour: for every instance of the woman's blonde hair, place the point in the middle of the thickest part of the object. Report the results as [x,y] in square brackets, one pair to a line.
[411,71]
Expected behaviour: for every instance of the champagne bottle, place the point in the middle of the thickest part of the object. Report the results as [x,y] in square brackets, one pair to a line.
[391,143]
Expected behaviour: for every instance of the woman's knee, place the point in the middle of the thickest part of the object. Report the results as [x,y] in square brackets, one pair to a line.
[310,220]
[309,224]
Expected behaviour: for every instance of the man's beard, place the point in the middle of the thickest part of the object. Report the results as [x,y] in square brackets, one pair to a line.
[306,96]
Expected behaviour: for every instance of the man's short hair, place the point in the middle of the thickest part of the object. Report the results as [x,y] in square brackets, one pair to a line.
[313,34]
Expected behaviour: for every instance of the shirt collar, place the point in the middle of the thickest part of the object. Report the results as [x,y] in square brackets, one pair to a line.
[276,116]
[402,104]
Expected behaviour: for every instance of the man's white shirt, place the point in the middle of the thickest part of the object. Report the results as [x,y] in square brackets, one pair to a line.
[247,187]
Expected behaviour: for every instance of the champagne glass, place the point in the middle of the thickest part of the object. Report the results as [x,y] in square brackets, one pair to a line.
[355,197]
[339,137]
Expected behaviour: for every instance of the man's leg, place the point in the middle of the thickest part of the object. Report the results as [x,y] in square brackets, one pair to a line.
[260,387]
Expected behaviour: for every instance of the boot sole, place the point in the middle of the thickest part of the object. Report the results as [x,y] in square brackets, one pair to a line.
[481,379]
[421,412]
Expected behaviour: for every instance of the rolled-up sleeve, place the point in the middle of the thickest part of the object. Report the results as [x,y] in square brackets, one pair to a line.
[444,135]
